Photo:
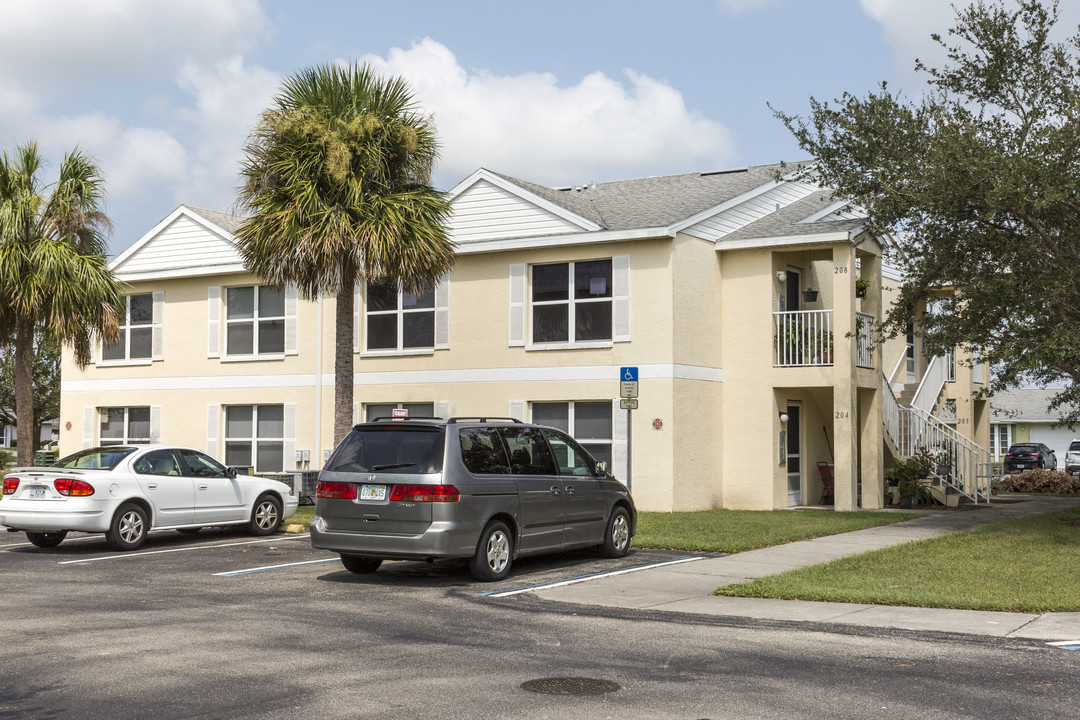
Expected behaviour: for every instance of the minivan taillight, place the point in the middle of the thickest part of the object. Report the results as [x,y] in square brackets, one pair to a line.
[11,484]
[424,493]
[73,487]
[335,490]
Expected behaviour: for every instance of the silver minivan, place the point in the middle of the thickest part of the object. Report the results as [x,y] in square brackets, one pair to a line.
[489,490]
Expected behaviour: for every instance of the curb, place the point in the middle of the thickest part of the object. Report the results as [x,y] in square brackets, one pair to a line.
[293,528]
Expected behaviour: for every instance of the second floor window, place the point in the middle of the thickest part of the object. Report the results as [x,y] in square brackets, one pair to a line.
[571,302]
[254,321]
[136,340]
[398,319]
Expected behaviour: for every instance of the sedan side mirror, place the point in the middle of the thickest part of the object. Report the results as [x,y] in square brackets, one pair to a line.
[231,472]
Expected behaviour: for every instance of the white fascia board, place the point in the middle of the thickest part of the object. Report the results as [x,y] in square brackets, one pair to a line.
[782,241]
[194,271]
[485,174]
[726,205]
[168,220]
[891,272]
[550,241]
[830,209]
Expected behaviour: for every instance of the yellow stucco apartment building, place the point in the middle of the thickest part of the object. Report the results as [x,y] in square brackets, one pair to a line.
[746,381]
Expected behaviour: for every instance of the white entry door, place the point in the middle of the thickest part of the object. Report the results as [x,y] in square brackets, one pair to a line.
[794,454]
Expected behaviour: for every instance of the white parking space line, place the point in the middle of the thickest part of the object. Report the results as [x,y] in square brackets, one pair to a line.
[584,578]
[265,568]
[133,555]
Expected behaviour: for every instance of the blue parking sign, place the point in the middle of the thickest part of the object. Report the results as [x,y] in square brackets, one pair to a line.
[628,374]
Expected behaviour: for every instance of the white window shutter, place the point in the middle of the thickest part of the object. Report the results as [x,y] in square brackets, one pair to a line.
[213,322]
[155,423]
[442,313]
[213,412]
[356,413]
[88,417]
[517,304]
[157,345]
[289,444]
[442,410]
[620,298]
[357,296]
[291,295]
[618,442]
[517,410]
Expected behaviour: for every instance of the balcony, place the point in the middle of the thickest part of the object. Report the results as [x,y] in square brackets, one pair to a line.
[805,338]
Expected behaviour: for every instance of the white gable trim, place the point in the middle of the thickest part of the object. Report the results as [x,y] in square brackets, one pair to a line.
[484,174]
[830,209]
[783,240]
[726,205]
[183,210]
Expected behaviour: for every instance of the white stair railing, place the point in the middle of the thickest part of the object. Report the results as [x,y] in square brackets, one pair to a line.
[929,389]
[961,463]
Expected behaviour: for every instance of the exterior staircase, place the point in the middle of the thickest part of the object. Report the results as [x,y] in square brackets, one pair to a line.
[962,471]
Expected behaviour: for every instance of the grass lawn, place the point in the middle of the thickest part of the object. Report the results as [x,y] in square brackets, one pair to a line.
[732,531]
[302,516]
[1027,565]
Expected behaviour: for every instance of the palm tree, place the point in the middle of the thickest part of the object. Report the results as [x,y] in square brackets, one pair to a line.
[53,272]
[336,189]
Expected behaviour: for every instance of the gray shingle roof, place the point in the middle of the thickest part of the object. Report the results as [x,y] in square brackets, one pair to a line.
[225,221]
[1023,405]
[656,201]
[788,220]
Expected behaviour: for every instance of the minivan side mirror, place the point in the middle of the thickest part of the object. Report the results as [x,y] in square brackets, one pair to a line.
[601,468]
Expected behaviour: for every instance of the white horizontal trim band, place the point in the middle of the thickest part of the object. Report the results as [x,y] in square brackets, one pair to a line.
[588,373]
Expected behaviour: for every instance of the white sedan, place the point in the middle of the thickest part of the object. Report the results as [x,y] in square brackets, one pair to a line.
[124,491]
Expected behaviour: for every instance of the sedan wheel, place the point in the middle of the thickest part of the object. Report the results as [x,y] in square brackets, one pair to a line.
[128,529]
[47,539]
[265,516]
[493,553]
[617,535]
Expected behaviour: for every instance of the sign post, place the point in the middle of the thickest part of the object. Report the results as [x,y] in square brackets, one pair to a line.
[628,391]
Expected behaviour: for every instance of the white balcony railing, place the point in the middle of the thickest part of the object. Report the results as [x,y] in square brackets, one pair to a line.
[804,337]
[864,340]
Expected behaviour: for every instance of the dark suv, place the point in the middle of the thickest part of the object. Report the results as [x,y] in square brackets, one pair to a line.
[489,490]
[1028,456]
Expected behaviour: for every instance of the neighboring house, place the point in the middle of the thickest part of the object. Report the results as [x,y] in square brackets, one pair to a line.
[697,280]
[9,433]
[1022,415]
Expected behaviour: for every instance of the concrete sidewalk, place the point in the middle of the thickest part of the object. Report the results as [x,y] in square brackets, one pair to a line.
[687,587]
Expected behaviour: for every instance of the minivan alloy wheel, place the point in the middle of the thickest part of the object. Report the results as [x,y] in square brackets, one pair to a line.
[494,553]
[498,551]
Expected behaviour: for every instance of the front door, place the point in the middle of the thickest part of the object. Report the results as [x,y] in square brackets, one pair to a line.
[793,287]
[794,454]
[172,495]
[539,487]
[583,500]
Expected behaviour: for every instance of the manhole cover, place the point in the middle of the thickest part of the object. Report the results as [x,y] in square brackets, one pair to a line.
[570,686]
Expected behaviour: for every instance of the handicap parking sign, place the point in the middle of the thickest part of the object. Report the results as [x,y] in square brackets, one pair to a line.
[628,374]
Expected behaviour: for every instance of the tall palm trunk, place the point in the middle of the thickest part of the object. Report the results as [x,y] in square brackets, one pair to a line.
[24,389]
[343,362]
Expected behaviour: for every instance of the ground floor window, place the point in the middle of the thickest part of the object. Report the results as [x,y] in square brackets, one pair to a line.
[1000,439]
[255,437]
[124,425]
[588,422]
[413,410]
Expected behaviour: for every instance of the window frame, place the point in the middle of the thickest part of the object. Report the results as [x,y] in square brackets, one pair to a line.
[155,327]
[399,312]
[253,441]
[571,303]
[255,320]
[127,438]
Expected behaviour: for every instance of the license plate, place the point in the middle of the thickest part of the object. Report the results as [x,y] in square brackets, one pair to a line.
[372,492]
[37,492]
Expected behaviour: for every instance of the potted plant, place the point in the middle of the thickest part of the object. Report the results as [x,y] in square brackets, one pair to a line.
[906,475]
[861,286]
[809,294]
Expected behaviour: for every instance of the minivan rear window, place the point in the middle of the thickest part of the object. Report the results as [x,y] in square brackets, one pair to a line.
[1074,446]
[392,449]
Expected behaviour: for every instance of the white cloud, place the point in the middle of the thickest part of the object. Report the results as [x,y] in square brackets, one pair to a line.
[906,26]
[531,125]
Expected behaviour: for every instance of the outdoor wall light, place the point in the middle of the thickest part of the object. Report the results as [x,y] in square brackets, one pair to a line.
[783,417]
[781,276]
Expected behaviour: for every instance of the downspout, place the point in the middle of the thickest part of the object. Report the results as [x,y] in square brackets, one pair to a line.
[318,380]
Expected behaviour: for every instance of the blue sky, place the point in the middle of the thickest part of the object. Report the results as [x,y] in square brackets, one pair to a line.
[164,93]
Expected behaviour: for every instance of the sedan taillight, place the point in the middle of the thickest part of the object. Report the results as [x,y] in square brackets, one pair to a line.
[424,493]
[73,487]
[335,490]
[11,484]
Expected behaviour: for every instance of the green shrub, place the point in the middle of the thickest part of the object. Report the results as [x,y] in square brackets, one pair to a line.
[7,459]
[1050,482]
